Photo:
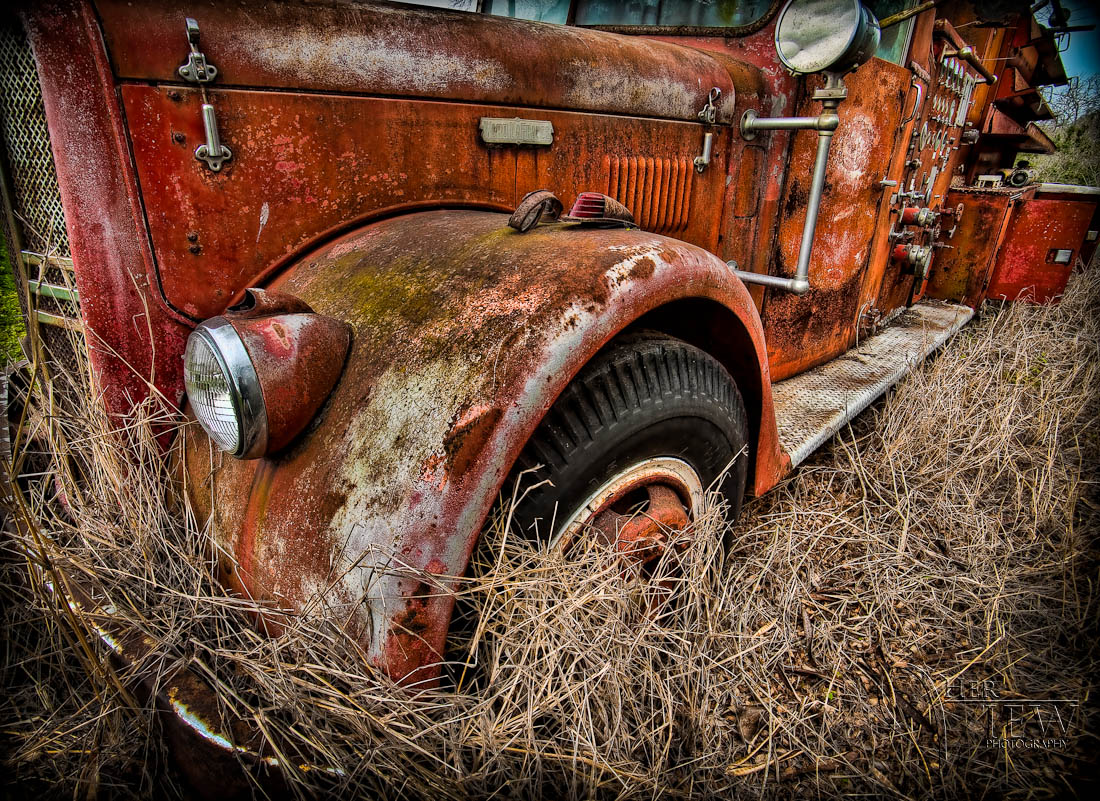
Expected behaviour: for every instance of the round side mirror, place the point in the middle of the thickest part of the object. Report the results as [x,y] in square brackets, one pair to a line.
[825,35]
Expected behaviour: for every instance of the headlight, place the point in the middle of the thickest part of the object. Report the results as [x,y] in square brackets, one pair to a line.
[259,373]
[224,390]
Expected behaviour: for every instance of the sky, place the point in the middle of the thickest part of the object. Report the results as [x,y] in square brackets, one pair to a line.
[1082,56]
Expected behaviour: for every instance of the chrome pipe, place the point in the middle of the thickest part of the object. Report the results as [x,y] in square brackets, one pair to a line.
[751,124]
[918,103]
[825,124]
[795,285]
[702,161]
[800,284]
[813,204]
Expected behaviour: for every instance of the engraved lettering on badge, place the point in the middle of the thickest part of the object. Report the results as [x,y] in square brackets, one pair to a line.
[516,131]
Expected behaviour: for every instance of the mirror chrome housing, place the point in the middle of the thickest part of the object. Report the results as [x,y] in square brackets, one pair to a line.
[825,35]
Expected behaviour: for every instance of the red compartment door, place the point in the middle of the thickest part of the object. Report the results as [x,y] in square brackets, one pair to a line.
[1041,247]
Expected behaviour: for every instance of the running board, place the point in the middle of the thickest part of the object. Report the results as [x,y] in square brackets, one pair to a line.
[812,406]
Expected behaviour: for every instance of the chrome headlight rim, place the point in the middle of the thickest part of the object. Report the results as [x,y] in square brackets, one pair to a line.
[245,393]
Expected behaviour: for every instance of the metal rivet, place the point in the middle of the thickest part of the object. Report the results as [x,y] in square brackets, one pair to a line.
[178,137]
[192,236]
[196,249]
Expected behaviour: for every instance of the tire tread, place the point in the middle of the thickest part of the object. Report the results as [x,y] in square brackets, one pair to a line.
[635,375]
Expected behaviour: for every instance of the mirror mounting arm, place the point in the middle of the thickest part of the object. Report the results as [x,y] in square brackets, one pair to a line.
[825,124]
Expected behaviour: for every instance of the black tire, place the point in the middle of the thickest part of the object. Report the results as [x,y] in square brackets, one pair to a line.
[645,396]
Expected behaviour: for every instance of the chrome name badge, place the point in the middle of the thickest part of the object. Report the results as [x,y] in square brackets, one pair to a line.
[516,131]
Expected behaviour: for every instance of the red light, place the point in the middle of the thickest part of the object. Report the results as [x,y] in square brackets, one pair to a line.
[588,205]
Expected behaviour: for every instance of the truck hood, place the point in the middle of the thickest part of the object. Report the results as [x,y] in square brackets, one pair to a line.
[406,52]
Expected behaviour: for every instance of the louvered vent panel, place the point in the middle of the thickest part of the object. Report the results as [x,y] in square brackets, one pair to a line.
[657,191]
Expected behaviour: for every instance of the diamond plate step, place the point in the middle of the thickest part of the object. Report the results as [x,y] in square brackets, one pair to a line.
[812,406]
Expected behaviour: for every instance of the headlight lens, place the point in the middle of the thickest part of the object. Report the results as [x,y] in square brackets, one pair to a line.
[224,390]
[211,394]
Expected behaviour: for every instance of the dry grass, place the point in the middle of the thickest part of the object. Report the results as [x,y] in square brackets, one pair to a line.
[943,547]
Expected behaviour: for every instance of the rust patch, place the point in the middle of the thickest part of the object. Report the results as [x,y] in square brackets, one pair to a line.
[413,620]
[805,331]
[961,272]
[468,437]
[642,270]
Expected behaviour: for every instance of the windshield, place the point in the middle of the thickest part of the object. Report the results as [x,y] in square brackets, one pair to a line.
[538,10]
[688,13]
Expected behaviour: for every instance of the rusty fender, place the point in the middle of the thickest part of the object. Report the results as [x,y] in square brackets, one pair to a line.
[464,333]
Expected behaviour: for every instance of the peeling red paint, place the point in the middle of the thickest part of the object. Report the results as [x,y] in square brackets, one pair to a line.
[298,358]
[405,52]
[132,338]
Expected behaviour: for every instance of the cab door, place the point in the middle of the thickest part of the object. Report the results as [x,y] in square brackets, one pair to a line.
[807,330]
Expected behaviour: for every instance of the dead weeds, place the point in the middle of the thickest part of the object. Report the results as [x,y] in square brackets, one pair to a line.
[912,614]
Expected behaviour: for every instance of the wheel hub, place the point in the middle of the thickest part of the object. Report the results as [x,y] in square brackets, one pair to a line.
[640,510]
[644,534]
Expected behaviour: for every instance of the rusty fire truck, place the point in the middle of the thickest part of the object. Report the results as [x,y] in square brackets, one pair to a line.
[388,255]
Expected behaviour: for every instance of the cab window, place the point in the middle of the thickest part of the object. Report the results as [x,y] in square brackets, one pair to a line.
[895,40]
[735,16]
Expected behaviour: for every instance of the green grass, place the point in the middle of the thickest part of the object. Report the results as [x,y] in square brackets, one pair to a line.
[11,316]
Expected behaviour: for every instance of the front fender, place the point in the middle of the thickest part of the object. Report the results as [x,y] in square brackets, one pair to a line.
[464,333]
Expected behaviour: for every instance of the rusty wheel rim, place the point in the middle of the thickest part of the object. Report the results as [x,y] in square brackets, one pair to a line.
[639,511]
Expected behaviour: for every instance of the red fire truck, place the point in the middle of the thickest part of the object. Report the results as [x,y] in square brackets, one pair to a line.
[389,255]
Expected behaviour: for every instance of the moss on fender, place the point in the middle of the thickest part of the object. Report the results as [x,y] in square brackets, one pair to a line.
[464,333]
